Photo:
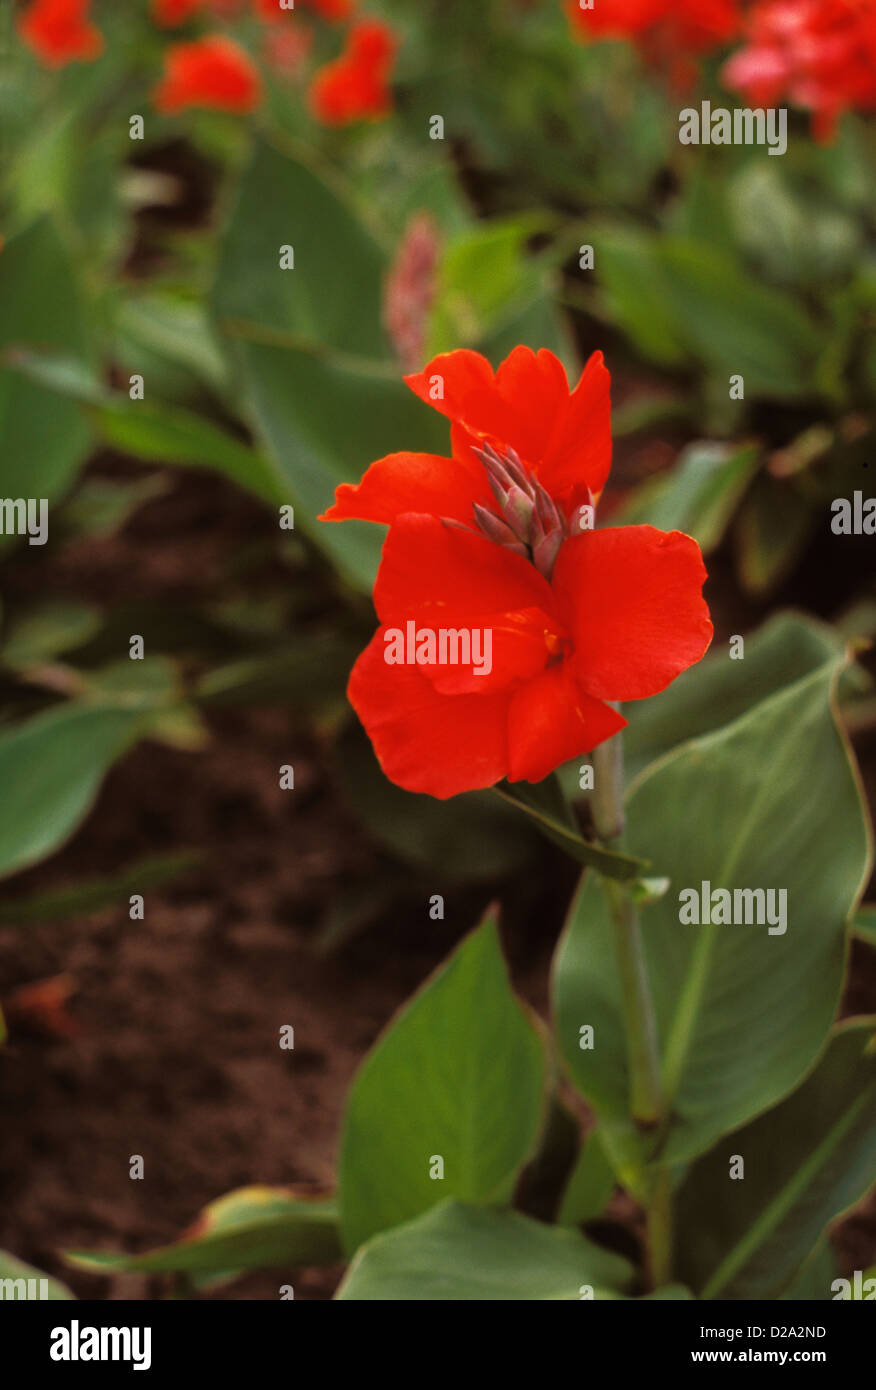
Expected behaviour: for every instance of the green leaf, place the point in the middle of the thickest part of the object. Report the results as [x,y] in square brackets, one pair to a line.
[95,893]
[590,1184]
[482,272]
[806,1161]
[864,925]
[50,769]
[773,529]
[700,495]
[303,407]
[465,1254]
[170,434]
[541,803]
[332,297]
[45,437]
[771,801]
[20,1273]
[721,688]
[47,631]
[735,325]
[250,1228]
[459,1075]
[636,296]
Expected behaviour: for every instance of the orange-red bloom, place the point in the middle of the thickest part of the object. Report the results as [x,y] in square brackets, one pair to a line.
[492,551]
[60,32]
[356,85]
[820,54]
[213,72]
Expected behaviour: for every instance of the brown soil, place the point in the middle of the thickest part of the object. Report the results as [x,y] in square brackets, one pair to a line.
[175,1056]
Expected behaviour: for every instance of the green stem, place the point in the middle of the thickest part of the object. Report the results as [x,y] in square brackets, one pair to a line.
[646,1090]
[659,1219]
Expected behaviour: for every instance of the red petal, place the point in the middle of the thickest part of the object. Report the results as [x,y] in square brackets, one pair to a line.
[631,599]
[405,482]
[551,720]
[424,741]
[427,566]
[578,454]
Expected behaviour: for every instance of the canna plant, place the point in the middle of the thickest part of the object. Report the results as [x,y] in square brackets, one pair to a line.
[697,981]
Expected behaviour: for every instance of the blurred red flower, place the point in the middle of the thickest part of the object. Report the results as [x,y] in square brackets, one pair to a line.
[491,541]
[819,54]
[691,24]
[60,32]
[213,72]
[355,86]
[170,13]
[332,10]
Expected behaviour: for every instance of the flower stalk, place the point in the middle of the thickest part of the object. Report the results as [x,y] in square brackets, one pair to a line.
[646,1091]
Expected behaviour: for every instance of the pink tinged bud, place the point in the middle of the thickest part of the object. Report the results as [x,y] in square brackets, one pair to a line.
[545,552]
[495,529]
[518,510]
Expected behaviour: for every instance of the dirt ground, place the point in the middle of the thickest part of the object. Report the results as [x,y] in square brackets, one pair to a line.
[174,1050]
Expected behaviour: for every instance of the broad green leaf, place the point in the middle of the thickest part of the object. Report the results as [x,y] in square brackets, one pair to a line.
[721,688]
[159,432]
[325,420]
[735,325]
[590,1184]
[170,434]
[332,297]
[45,437]
[16,1281]
[250,1228]
[466,1254]
[806,1161]
[770,801]
[50,769]
[482,272]
[700,494]
[636,297]
[458,1076]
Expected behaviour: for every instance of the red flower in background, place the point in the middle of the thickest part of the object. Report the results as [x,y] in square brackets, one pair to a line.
[691,24]
[171,13]
[667,31]
[213,72]
[332,10]
[820,54]
[489,541]
[355,86]
[60,32]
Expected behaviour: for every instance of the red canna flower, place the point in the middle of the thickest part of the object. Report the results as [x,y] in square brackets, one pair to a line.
[171,13]
[667,31]
[212,72]
[820,54]
[355,86]
[60,32]
[506,622]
